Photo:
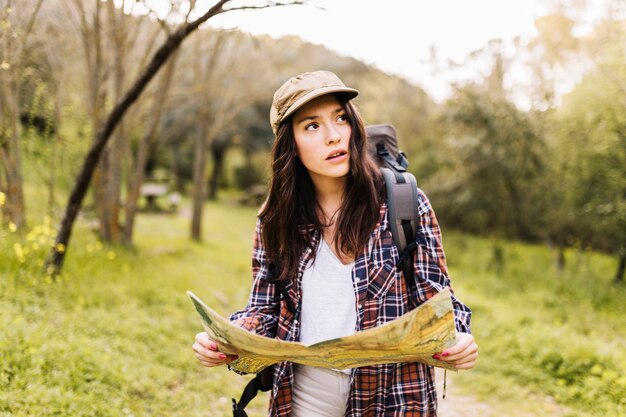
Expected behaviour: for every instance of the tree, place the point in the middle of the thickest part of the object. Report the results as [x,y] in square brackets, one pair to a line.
[499,160]
[159,58]
[494,156]
[225,88]
[591,126]
[143,149]
[15,35]
[112,40]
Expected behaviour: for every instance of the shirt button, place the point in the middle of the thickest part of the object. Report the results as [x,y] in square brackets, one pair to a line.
[357,280]
[295,322]
[360,306]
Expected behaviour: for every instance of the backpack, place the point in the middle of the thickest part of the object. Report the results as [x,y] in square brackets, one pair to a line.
[403,215]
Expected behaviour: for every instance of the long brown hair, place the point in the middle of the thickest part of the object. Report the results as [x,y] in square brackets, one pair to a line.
[291,208]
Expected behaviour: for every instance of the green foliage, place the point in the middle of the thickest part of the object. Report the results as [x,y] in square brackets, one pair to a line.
[560,334]
[590,130]
[495,162]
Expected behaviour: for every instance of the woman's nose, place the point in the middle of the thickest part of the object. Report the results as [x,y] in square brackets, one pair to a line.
[333,136]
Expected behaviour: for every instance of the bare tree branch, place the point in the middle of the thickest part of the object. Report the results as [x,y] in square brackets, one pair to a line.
[173,41]
[267,6]
[31,23]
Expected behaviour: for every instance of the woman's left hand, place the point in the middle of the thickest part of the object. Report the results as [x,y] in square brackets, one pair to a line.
[462,355]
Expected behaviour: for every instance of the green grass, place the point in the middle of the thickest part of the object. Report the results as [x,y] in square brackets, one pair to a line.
[113,336]
[557,334]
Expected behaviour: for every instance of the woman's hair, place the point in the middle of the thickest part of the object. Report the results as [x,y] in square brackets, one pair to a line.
[292,209]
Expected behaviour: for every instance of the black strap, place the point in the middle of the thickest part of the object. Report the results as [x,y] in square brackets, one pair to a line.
[399,165]
[281,293]
[406,260]
[261,382]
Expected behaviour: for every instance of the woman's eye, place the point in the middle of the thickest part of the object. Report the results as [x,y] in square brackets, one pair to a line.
[311,126]
[342,118]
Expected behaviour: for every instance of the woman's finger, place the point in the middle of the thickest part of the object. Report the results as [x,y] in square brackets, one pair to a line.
[203,339]
[468,350]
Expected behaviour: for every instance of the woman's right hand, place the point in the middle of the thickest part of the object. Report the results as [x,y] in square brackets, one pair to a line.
[206,351]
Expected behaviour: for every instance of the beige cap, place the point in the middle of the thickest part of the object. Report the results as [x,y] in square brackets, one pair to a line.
[299,90]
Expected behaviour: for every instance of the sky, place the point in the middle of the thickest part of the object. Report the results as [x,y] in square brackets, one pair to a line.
[396,35]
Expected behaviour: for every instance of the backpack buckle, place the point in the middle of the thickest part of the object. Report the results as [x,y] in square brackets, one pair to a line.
[381,149]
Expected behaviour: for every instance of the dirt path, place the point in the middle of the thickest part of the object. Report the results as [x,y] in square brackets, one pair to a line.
[460,405]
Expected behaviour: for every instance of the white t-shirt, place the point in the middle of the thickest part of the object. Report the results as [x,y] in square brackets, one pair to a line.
[328,299]
[328,312]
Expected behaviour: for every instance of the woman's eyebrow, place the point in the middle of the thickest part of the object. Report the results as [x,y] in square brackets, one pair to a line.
[313,117]
[306,118]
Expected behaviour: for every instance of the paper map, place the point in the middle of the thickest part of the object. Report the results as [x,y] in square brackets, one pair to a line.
[413,337]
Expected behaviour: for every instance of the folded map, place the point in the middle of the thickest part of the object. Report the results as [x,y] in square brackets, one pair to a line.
[413,337]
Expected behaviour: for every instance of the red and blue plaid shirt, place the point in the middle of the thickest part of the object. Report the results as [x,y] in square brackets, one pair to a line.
[405,389]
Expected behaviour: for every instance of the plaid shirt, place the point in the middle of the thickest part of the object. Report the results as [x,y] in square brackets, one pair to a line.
[405,389]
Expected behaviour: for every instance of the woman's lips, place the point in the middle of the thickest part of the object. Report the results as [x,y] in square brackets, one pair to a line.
[337,154]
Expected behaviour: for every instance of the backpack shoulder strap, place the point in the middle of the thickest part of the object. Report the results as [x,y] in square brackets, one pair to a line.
[403,216]
[402,195]
[261,382]
[402,202]
[281,289]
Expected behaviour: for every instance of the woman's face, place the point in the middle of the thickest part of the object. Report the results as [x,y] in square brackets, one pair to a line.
[322,132]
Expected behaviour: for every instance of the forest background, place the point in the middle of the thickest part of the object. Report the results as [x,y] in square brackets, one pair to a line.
[534,199]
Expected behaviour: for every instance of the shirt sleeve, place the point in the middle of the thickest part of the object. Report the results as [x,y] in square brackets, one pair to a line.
[431,271]
[260,316]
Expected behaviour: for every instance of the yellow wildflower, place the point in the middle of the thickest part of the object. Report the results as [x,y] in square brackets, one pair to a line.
[3,198]
[59,247]
[18,249]
[46,230]
[12,227]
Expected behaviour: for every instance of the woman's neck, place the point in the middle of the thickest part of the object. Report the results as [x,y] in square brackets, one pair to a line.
[329,193]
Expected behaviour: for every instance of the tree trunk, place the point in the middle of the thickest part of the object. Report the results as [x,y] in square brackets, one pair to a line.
[14,44]
[56,142]
[199,182]
[556,245]
[133,195]
[497,255]
[218,152]
[621,267]
[173,41]
[92,46]
[13,210]
[560,258]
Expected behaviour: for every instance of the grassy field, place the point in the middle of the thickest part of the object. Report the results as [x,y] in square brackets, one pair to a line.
[113,336]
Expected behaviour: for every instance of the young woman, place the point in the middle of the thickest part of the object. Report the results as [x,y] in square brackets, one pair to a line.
[324,233]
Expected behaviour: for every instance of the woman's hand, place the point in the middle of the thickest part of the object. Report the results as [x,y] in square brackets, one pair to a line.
[206,351]
[462,355]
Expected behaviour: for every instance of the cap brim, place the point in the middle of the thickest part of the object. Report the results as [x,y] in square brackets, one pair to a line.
[349,92]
